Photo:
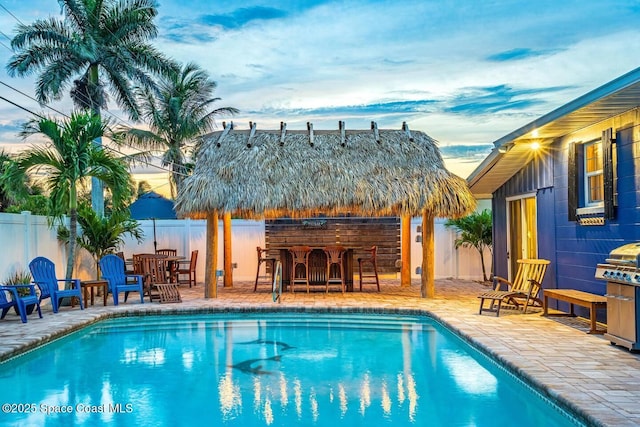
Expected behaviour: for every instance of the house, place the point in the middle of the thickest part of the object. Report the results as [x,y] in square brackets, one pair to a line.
[566,187]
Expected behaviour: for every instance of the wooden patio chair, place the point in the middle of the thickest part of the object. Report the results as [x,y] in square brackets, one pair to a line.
[299,266]
[525,286]
[335,258]
[154,272]
[188,268]
[264,258]
[369,277]
[172,266]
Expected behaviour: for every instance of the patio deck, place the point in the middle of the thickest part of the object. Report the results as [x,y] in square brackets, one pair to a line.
[600,381]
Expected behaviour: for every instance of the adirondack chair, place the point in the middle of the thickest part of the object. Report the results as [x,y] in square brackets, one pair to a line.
[43,271]
[525,286]
[9,297]
[112,268]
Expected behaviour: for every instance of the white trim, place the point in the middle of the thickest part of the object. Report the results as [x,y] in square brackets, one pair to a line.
[521,196]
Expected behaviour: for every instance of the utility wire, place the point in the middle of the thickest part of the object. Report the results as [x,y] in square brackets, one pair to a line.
[122,121]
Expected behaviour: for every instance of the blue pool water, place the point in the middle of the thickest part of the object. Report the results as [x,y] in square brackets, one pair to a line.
[266,370]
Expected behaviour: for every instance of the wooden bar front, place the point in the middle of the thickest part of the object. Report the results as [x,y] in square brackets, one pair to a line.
[356,234]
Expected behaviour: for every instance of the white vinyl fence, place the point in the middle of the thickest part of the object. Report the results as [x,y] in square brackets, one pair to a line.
[25,236]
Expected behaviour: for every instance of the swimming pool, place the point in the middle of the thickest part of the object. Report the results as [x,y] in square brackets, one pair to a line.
[266,370]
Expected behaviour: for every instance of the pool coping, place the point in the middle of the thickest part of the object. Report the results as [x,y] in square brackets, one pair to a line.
[564,404]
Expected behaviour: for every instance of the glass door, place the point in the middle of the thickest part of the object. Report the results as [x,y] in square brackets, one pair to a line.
[522,230]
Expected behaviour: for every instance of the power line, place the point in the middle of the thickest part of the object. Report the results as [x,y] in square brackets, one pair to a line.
[122,121]
[9,12]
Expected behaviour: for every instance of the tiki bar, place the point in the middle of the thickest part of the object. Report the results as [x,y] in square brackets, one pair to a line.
[316,188]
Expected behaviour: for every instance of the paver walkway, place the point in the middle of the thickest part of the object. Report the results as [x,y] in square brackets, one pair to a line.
[600,381]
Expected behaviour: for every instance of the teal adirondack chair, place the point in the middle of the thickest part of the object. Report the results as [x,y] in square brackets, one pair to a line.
[112,269]
[9,297]
[43,271]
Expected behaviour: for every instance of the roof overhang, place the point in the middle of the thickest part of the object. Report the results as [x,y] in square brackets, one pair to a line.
[513,150]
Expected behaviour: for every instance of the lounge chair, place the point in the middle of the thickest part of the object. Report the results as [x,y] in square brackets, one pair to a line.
[43,271]
[112,269]
[526,286]
[9,297]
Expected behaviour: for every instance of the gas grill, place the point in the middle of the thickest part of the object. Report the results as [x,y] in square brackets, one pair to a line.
[622,273]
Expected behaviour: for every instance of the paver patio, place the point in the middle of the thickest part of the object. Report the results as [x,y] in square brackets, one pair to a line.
[585,372]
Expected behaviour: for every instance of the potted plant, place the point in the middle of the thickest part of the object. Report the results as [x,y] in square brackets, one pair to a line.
[20,278]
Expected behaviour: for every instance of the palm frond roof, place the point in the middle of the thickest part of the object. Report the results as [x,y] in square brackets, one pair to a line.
[275,173]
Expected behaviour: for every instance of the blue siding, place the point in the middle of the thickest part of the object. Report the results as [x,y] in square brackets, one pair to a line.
[580,248]
[535,176]
[574,250]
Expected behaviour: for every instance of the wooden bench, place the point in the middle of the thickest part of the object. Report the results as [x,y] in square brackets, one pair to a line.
[573,296]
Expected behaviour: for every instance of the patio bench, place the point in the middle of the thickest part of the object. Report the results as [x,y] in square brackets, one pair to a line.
[573,296]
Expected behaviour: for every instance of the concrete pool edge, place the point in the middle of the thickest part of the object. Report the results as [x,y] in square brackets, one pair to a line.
[560,401]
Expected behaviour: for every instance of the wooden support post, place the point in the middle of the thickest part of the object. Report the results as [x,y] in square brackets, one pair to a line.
[405,251]
[228,267]
[211,266]
[428,287]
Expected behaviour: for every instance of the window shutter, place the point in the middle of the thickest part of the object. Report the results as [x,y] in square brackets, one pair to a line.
[572,181]
[608,171]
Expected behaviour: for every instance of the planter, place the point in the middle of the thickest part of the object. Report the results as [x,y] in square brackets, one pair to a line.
[29,307]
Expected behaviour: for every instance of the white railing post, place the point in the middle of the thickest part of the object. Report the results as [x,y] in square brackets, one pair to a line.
[27,230]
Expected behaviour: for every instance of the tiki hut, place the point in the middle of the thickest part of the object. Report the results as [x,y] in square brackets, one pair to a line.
[275,173]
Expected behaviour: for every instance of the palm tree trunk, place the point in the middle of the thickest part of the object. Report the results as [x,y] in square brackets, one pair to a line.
[97,190]
[484,271]
[73,227]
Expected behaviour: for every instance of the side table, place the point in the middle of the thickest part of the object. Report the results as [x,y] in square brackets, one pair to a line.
[89,285]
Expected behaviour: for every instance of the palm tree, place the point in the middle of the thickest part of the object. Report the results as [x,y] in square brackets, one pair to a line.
[103,235]
[177,114]
[67,159]
[98,44]
[475,231]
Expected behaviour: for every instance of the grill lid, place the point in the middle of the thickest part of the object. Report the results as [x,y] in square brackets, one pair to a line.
[628,255]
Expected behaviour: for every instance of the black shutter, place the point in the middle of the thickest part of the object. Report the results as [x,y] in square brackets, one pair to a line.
[572,181]
[607,171]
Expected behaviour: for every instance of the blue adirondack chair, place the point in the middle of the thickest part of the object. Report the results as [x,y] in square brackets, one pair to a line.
[43,271]
[112,270]
[17,301]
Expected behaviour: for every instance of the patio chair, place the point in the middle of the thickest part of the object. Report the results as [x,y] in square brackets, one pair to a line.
[335,257]
[263,257]
[112,268]
[155,284]
[369,277]
[300,258]
[188,268]
[43,271]
[9,297]
[525,286]
[172,266]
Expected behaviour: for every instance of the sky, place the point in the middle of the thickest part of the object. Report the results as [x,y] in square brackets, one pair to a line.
[464,72]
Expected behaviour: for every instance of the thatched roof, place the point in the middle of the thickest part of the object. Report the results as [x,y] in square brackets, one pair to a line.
[256,174]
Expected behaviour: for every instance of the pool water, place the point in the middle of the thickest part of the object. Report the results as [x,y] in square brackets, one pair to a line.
[266,370]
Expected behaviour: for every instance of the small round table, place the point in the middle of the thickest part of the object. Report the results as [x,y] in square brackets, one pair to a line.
[89,285]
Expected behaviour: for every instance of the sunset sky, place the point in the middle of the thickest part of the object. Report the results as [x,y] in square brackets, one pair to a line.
[464,72]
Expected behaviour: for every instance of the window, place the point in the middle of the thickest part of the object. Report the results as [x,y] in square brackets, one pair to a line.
[591,180]
[593,176]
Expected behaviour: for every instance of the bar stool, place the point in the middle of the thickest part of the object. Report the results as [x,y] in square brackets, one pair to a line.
[299,257]
[335,256]
[371,259]
[264,258]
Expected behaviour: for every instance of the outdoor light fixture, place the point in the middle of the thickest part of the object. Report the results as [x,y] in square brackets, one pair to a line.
[535,145]
[505,148]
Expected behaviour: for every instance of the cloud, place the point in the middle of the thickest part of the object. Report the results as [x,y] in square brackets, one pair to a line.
[498,98]
[241,17]
[520,53]
[390,107]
